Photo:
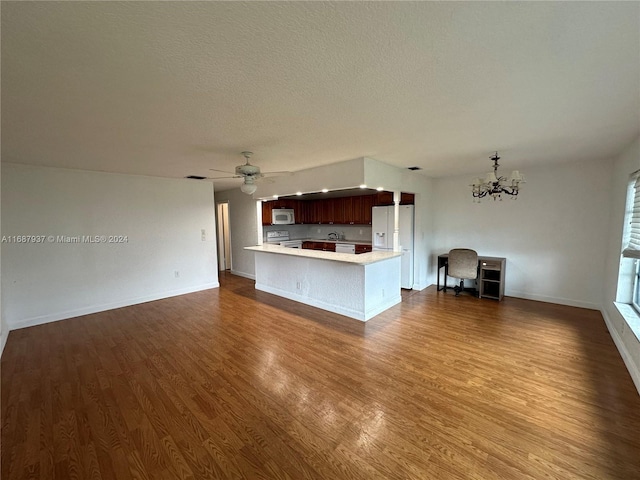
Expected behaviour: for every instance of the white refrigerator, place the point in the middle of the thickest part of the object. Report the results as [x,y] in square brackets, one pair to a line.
[382,223]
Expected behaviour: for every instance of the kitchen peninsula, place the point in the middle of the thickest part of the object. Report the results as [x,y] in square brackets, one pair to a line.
[357,286]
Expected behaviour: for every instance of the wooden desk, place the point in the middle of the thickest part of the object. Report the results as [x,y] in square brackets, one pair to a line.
[491,272]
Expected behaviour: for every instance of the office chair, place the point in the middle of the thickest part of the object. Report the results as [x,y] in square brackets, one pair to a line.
[463,264]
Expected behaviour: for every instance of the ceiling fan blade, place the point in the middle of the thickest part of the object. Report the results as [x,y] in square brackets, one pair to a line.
[223,171]
[274,174]
[263,180]
[221,178]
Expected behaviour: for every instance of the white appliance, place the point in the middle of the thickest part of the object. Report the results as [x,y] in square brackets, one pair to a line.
[382,223]
[292,243]
[345,248]
[282,216]
[281,237]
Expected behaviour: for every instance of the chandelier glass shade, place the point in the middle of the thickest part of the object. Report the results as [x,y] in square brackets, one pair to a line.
[495,185]
[248,186]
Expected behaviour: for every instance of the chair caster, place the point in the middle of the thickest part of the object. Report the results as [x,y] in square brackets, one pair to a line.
[459,288]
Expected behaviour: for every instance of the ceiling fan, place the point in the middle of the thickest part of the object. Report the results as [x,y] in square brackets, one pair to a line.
[250,173]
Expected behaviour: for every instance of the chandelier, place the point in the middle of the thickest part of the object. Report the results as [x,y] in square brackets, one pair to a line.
[495,185]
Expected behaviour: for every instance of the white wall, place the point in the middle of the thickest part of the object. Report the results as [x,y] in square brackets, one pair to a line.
[162,219]
[243,226]
[4,329]
[553,236]
[626,341]
[337,176]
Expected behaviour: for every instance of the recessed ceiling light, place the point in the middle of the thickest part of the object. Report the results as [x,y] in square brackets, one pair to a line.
[380,189]
[275,196]
[298,193]
[363,186]
[325,190]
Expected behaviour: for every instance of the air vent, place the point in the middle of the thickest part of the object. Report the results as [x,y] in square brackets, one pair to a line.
[195,177]
[414,168]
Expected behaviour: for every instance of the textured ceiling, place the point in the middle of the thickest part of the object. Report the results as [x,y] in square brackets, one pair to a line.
[176,88]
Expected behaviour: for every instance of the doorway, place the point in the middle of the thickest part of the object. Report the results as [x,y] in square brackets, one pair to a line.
[224,237]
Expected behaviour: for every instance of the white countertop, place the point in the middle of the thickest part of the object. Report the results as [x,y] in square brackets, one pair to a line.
[358,259]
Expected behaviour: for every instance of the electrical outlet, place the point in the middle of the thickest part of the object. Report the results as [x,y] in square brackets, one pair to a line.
[360,231]
[203,234]
[298,285]
[383,292]
[318,230]
[177,274]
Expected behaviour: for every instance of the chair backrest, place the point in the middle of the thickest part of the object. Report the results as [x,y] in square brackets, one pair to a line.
[463,263]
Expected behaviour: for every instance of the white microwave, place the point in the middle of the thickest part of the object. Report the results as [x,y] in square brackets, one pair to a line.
[282,216]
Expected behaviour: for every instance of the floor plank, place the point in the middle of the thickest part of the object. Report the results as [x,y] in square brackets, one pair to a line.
[239,384]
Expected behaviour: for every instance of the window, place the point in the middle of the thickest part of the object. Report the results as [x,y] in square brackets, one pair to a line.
[632,230]
[631,243]
[636,288]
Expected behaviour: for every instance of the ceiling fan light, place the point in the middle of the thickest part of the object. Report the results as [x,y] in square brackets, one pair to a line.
[248,188]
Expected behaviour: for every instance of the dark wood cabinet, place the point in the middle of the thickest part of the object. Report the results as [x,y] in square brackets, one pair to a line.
[383,199]
[367,205]
[338,209]
[266,212]
[331,247]
[300,210]
[351,209]
[407,198]
[360,248]
[315,211]
[324,246]
[326,211]
[330,211]
[358,209]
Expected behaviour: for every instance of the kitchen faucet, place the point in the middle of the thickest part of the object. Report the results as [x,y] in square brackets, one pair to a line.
[333,236]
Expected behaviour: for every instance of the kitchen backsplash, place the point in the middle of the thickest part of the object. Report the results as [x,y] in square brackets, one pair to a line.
[351,232]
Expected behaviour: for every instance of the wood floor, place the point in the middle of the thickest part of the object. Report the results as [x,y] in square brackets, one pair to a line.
[236,383]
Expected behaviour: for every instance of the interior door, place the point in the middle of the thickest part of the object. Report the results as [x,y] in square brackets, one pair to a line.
[224,237]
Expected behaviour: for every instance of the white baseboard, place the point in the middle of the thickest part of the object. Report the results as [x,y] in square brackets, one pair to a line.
[243,274]
[634,370]
[54,317]
[419,287]
[557,300]
[347,312]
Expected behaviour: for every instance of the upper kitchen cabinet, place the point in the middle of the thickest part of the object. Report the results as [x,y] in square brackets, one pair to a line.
[383,199]
[365,209]
[350,210]
[298,207]
[407,198]
[330,211]
[266,212]
[339,211]
[357,210]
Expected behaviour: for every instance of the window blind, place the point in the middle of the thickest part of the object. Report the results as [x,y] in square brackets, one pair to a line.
[632,244]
